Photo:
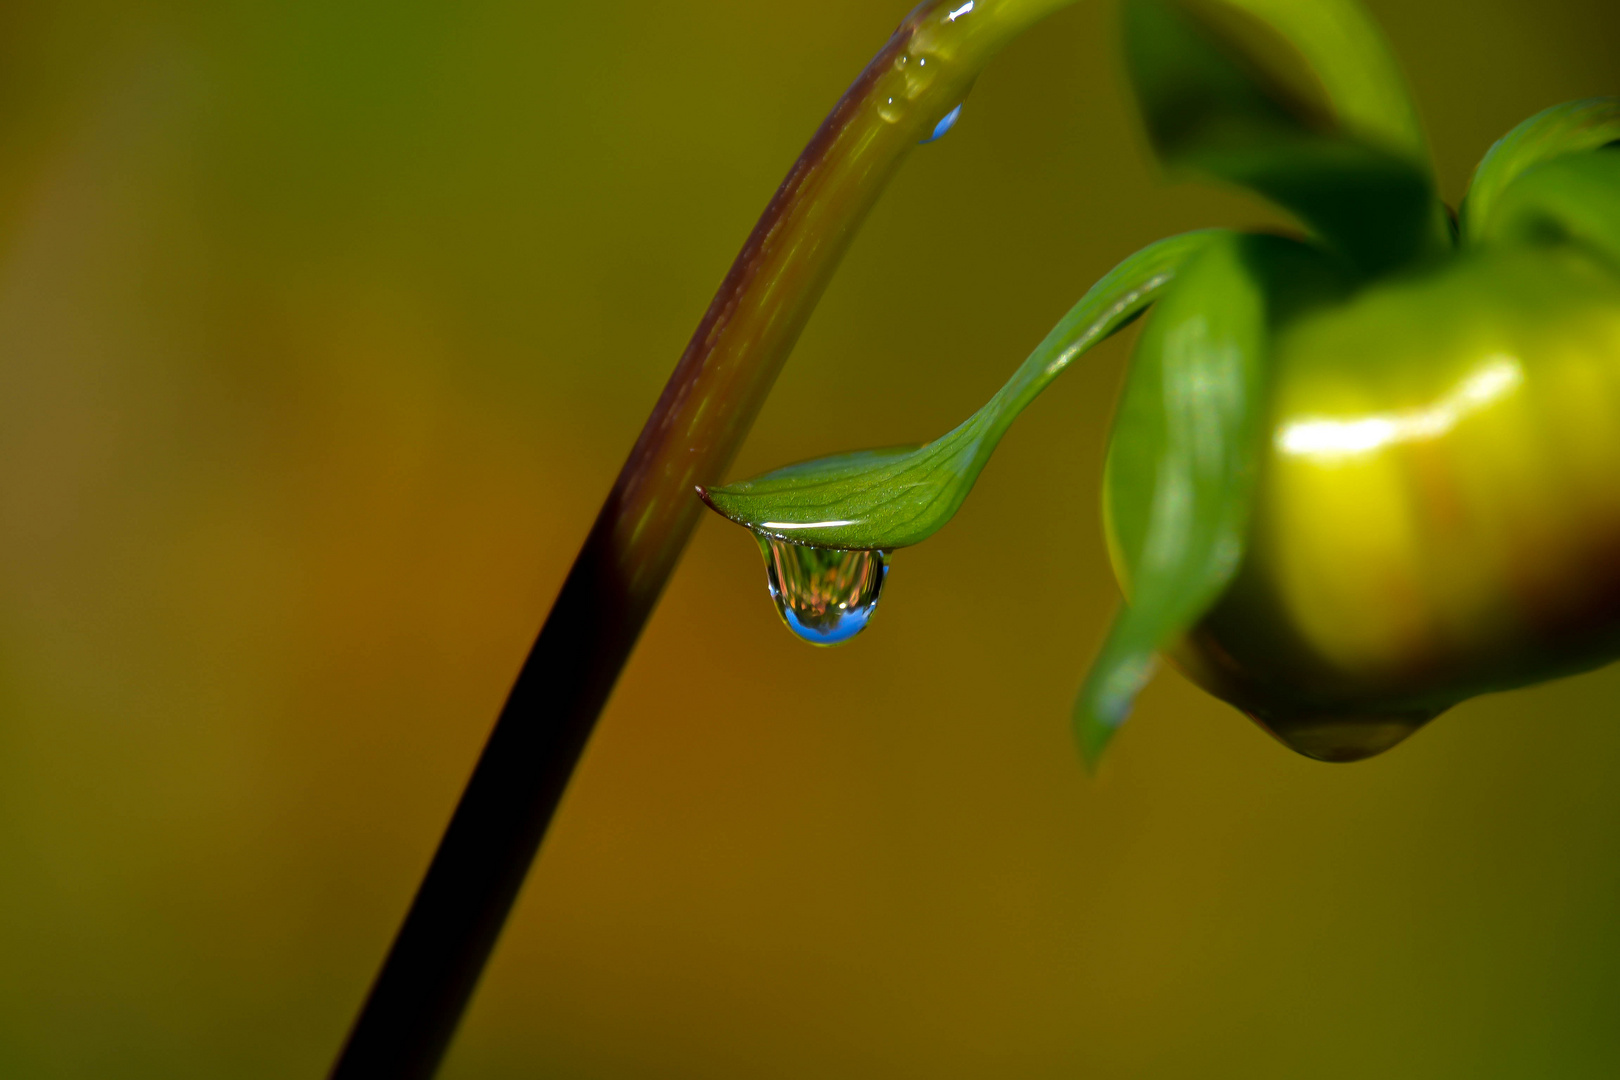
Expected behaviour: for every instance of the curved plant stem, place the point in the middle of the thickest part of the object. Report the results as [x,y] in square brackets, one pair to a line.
[699,422]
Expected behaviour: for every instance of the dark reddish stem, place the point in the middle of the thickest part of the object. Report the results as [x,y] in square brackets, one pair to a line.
[697,426]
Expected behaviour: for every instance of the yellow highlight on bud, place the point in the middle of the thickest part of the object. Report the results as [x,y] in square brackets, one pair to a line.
[1332,440]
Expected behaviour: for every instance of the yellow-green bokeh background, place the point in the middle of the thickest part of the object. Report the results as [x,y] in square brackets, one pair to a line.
[323,328]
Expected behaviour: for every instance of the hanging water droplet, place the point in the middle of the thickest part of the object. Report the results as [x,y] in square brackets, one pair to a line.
[1343,737]
[825,595]
[945,124]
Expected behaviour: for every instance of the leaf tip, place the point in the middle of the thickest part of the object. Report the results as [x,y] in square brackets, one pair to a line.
[707,494]
[1105,702]
[1093,731]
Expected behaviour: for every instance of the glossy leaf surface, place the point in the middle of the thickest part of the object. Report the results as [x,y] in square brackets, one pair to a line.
[1570,128]
[895,497]
[1356,174]
[1180,470]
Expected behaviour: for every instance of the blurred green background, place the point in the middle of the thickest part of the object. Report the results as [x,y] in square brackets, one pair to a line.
[324,326]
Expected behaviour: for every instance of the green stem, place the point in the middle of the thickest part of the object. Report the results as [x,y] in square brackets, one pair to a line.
[700,420]
[896,497]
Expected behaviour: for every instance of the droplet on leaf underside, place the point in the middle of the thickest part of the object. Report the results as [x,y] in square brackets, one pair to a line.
[825,595]
[945,124]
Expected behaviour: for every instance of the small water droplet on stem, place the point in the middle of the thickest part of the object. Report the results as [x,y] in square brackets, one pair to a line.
[824,595]
[945,124]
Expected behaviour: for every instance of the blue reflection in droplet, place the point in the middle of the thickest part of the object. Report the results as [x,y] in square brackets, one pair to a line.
[824,595]
[945,124]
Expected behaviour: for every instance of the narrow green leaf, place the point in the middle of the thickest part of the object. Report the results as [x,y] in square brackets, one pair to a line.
[1574,198]
[1347,52]
[899,496]
[1570,128]
[1356,175]
[1181,465]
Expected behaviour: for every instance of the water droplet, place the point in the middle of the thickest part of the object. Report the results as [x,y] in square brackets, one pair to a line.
[1343,737]
[945,124]
[825,595]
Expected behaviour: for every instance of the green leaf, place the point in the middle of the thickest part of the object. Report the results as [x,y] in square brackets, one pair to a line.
[1355,173]
[1180,470]
[1347,52]
[1574,198]
[1571,128]
[899,496]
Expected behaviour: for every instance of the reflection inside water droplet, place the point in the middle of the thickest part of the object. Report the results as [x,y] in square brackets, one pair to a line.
[825,595]
[945,124]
